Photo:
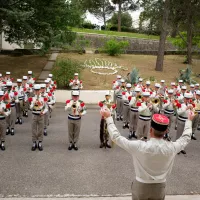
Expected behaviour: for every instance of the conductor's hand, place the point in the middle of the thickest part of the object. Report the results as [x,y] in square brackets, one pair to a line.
[191,115]
[105,113]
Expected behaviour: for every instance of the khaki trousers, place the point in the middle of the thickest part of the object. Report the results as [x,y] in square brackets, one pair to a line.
[143,128]
[10,120]
[74,127]
[37,127]
[126,114]
[134,116]
[46,119]
[147,191]
[2,130]
[170,117]
[195,122]
[180,128]
[119,107]
[19,107]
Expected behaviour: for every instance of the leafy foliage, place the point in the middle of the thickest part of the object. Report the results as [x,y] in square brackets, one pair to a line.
[114,47]
[37,21]
[126,20]
[64,71]
[133,77]
[186,75]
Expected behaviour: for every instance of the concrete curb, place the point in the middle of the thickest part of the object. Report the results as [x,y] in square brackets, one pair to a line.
[170,197]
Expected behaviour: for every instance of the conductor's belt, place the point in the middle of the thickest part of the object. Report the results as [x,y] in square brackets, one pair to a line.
[144,118]
[134,109]
[74,117]
[183,119]
[166,111]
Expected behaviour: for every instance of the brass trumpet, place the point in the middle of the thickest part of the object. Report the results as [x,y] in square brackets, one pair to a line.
[74,106]
[155,101]
[139,97]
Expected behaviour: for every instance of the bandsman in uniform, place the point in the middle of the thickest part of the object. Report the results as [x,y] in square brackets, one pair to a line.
[20,101]
[169,106]
[180,84]
[118,93]
[4,112]
[196,119]
[145,112]
[7,77]
[27,92]
[140,83]
[39,107]
[126,97]
[106,104]
[10,97]
[163,88]
[76,84]
[30,79]
[134,116]
[183,111]
[196,87]
[147,88]
[76,109]
[117,82]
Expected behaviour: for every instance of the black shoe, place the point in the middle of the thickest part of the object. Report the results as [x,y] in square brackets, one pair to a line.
[117,118]
[70,147]
[26,115]
[34,147]
[75,147]
[3,146]
[40,147]
[12,131]
[134,136]
[7,131]
[121,118]
[198,128]
[17,121]
[130,135]
[124,126]
[127,125]
[101,145]
[193,137]
[20,121]
[183,152]
[108,145]
[45,132]
[145,138]
[176,127]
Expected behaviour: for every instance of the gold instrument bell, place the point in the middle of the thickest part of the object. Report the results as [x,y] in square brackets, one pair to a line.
[155,101]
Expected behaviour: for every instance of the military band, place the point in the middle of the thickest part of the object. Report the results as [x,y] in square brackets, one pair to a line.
[132,104]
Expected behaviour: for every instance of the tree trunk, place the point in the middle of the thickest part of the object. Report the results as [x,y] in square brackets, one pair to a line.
[119,16]
[104,15]
[189,35]
[163,35]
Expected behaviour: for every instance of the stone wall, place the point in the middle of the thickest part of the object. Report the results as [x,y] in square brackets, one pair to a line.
[96,41]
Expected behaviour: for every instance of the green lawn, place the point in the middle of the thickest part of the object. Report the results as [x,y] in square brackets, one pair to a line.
[114,33]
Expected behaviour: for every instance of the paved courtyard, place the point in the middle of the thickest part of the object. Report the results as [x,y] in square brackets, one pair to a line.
[57,172]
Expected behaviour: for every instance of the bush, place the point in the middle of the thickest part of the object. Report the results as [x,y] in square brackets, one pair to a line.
[64,71]
[114,47]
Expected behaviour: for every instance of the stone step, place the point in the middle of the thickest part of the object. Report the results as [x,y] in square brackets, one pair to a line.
[49,66]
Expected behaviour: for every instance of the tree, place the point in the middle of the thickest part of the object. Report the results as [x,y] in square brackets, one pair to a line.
[163,35]
[37,21]
[101,9]
[123,6]
[126,19]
